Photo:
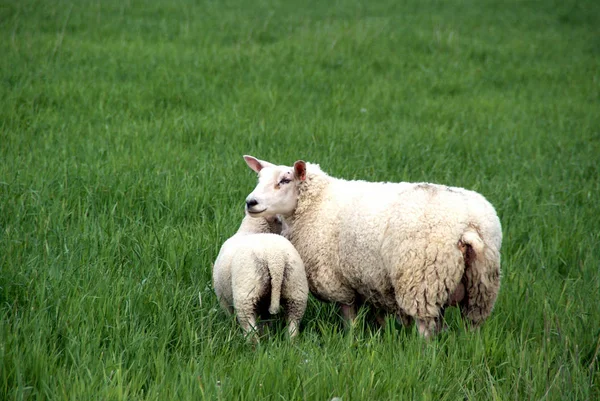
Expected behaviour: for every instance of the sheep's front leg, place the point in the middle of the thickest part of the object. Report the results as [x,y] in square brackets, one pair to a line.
[380,318]
[403,319]
[348,314]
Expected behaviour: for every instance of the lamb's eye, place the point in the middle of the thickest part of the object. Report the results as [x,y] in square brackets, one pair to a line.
[284,181]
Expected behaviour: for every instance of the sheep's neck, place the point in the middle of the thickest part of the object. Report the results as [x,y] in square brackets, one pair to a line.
[310,193]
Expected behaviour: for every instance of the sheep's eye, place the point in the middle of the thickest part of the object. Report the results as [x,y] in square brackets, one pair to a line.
[285,181]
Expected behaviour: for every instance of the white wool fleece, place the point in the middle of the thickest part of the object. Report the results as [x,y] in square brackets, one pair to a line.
[256,266]
[403,247]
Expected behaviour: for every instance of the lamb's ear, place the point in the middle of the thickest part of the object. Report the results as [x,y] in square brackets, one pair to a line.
[300,170]
[256,164]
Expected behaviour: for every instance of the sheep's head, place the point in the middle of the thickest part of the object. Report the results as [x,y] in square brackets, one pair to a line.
[276,192]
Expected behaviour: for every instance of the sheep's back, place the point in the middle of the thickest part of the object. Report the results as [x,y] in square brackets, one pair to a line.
[369,227]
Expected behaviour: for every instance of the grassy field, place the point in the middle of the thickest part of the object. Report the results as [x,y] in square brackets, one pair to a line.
[122,126]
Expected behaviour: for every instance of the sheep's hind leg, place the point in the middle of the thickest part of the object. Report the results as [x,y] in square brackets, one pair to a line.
[426,314]
[400,318]
[403,319]
[440,322]
[427,327]
[430,320]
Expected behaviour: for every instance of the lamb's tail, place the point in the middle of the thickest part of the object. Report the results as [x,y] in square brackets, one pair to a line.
[276,271]
[481,278]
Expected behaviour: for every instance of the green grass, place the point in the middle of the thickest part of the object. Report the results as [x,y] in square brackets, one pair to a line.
[122,125]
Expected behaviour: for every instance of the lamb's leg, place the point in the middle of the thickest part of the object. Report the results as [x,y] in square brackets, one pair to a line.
[248,324]
[294,312]
[227,307]
[293,328]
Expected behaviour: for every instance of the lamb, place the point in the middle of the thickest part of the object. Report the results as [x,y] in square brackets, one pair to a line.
[410,249]
[257,267]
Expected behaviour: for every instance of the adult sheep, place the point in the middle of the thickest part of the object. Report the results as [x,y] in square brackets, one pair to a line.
[410,249]
[257,268]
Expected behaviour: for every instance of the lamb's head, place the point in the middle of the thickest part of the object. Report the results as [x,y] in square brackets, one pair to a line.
[277,189]
[260,225]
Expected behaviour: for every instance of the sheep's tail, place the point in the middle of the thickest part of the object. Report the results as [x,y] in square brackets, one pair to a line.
[276,271]
[481,278]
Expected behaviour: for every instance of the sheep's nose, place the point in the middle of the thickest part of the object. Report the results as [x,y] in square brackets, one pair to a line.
[251,202]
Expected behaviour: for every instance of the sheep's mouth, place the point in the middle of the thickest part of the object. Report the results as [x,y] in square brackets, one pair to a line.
[256,212]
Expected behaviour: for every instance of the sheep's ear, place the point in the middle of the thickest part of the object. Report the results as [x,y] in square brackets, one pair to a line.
[256,164]
[300,170]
